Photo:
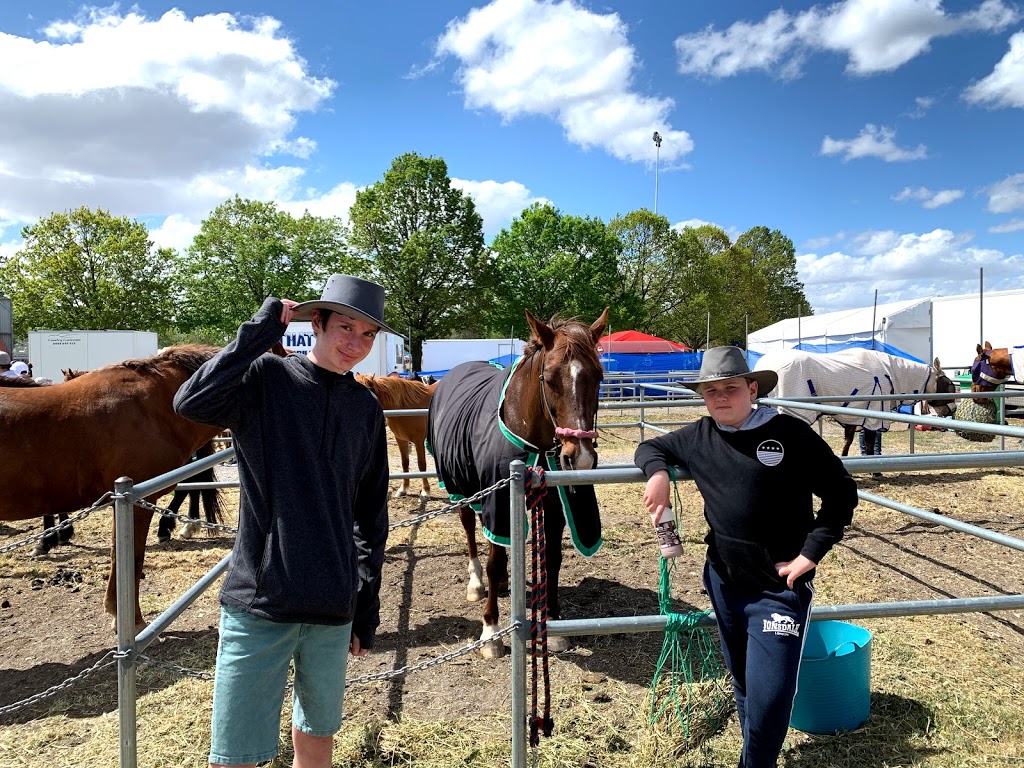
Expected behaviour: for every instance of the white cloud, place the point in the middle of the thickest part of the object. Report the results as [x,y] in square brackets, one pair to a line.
[1007,195]
[497,202]
[175,232]
[1004,86]
[927,197]
[693,223]
[334,204]
[921,106]
[559,60]
[147,115]
[903,266]
[874,35]
[873,141]
[1013,225]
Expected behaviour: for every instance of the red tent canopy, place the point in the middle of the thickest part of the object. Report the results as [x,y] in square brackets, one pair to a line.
[634,341]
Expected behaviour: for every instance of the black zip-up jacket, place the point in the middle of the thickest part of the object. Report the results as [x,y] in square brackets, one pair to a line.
[758,486]
[313,479]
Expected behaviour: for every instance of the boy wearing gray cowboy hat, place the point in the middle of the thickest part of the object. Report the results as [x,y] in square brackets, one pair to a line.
[758,471]
[304,581]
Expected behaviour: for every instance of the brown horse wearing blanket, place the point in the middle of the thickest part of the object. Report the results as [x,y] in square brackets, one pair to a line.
[545,407]
[67,444]
[991,368]
[395,394]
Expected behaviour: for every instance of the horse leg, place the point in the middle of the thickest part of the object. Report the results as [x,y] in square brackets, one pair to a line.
[167,523]
[64,535]
[421,462]
[554,526]
[49,540]
[497,567]
[193,514]
[403,449]
[848,433]
[141,520]
[475,586]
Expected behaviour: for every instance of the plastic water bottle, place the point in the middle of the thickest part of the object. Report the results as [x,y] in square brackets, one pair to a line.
[668,535]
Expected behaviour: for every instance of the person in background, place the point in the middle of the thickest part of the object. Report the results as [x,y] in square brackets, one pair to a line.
[19,368]
[5,364]
[758,471]
[304,581]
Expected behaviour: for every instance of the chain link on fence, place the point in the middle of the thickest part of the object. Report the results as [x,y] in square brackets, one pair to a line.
[469,500]
[103,501]
[110,657]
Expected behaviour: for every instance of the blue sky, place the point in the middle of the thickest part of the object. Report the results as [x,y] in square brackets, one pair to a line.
[884,137]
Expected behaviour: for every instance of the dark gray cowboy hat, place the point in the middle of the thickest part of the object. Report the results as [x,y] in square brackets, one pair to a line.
[350,296]
[721,363]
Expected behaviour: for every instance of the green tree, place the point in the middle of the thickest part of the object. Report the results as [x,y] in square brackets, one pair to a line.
[87,270]
[698,265]
[248,250]
[650,294]
[773,256]
[425,240]
[551,263]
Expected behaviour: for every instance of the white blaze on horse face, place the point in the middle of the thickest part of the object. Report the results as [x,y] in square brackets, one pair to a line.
[586,459]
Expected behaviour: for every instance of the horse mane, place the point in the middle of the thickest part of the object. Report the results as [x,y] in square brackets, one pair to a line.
[579,341]
[186,356]
[395,392]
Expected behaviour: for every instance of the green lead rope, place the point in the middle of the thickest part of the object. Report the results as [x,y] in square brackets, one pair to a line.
[689,682]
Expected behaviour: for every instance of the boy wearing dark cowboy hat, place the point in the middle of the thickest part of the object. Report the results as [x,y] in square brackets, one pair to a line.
[304,582]
[758,471]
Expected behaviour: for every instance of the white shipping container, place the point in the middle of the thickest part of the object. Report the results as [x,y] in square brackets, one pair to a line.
[385,355]
[445,354]
[51,352]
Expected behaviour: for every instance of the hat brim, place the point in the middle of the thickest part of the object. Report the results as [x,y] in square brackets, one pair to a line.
[305,310]
[766,381]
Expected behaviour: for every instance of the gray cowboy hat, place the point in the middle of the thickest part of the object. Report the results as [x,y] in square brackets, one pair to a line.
[350,296]
[5,359]
[721,363]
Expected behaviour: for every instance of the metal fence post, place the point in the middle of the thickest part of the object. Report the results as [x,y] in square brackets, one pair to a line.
[517,588]
[124,542]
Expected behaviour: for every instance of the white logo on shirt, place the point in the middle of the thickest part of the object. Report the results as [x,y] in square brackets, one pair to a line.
[770,452]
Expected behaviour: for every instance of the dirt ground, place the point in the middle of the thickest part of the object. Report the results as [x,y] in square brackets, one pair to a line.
[53,626]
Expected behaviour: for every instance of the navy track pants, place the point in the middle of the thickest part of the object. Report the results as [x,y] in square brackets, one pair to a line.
[762,634]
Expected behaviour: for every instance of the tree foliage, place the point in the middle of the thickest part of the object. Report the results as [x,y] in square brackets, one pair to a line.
[248,250]
[650,291]
[425,240]
[87,270]
[551,263]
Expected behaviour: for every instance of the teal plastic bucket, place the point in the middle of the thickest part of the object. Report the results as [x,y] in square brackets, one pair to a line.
[834,687]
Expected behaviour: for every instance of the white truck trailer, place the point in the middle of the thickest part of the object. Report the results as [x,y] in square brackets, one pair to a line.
[51,352]
[958,322]
[386,354]
[445,354]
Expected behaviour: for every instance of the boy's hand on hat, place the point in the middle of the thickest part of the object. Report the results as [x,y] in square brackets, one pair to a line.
[288,311]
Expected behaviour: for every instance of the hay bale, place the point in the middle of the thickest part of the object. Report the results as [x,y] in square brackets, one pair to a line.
[972,410]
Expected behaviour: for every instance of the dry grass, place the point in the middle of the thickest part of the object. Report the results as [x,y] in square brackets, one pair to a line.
[946,691]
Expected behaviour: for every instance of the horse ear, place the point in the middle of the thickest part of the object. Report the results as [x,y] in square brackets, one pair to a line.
[936,364]
[597,329]
[540,331]
[980,349]
[988,346]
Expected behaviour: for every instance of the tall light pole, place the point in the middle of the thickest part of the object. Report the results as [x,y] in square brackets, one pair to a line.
[657,162]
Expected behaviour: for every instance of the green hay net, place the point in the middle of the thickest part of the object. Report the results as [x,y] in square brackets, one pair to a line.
[689,699]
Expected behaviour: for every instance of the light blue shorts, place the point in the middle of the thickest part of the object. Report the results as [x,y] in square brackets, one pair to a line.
[249,683]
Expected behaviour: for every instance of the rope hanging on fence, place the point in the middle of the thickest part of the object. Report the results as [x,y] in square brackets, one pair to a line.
[689,684]
[538,604]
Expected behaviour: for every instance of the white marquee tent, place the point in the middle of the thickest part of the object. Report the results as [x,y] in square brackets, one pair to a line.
[905,325]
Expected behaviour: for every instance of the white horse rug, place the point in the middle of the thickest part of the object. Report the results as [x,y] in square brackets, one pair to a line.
[848,373]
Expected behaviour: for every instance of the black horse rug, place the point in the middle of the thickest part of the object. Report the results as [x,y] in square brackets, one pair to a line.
[472,449]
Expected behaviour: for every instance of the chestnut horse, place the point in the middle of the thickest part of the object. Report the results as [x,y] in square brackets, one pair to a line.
[990,368]
[74,440]
[482,417]
[396,393]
